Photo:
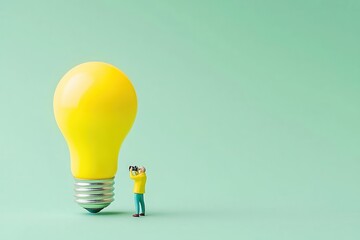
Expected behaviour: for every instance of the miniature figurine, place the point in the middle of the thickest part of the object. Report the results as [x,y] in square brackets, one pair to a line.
[139,176]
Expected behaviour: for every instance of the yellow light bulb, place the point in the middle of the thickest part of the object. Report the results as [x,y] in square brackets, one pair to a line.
[95,106]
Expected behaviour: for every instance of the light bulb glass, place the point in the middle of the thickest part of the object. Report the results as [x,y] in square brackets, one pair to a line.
[95,106]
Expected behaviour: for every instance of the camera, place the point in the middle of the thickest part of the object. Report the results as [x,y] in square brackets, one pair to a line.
[134,168]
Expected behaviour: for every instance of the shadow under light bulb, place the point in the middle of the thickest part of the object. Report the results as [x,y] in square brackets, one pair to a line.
[95,106]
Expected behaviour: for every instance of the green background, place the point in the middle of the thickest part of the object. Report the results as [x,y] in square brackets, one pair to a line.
[248,119]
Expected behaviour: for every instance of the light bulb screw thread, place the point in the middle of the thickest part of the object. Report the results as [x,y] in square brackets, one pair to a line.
[94,195]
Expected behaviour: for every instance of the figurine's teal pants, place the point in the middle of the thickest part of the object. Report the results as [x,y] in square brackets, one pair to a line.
[139,200]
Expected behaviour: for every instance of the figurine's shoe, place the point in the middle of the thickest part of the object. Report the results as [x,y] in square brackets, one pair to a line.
[135,215]
[142,214]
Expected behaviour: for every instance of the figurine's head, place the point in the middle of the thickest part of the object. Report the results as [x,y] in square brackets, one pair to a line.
[141,169]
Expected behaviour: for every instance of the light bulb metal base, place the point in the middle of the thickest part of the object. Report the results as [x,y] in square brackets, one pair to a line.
[94,195]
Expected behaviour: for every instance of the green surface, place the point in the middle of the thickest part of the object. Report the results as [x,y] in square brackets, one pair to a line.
[248,119]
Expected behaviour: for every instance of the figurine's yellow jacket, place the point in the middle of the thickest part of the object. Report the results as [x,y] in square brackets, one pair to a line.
[140,181]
